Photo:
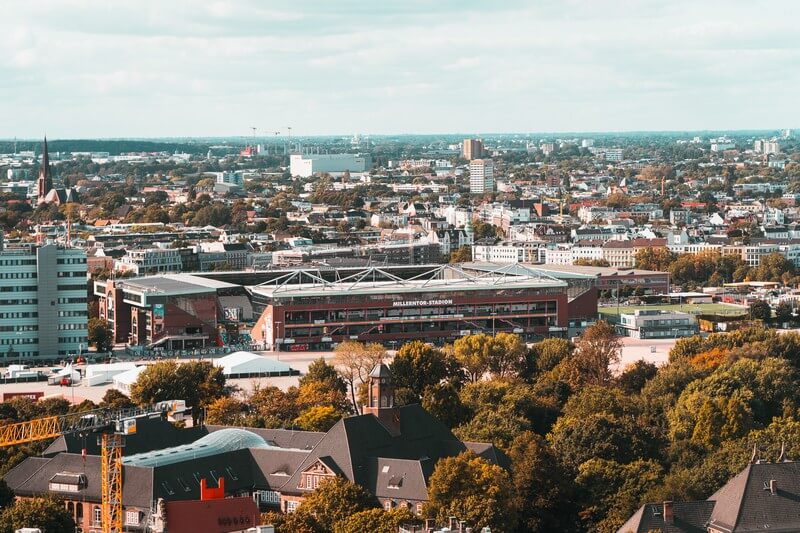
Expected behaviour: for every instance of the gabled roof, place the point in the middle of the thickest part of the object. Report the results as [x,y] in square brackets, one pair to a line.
[746,503]
[688,517]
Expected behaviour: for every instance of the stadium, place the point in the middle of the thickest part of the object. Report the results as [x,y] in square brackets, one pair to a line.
[302,311]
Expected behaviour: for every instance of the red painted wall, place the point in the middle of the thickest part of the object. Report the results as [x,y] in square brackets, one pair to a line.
[212,516]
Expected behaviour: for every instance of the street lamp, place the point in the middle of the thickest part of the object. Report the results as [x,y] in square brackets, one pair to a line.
[276,338]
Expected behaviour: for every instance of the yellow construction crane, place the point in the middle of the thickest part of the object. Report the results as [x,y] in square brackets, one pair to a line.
[111,425]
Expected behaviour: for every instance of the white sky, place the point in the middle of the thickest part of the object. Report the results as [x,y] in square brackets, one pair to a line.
[183,68]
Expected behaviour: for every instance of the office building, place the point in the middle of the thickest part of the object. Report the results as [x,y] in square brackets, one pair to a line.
[481,176]
[43,313]
[307,165]
[472,149]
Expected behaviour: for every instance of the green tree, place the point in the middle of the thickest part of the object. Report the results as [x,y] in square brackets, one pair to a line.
[100,335]
[784,312]
[197,382]
[443,403]
[334,501]
[114,399]
[472,489]
[507,355]
[322,372]
[47,514]
[474,352]
[6,495]
[760,310]
[543,492]
[375,521]
[418,365]
[636,375]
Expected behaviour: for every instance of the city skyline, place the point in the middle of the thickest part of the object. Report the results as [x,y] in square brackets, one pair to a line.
[149,69]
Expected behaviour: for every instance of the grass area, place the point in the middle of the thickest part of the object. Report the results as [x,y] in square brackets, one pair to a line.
[716,309]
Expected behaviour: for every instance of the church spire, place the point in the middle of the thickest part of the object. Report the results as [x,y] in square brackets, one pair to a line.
[45,174]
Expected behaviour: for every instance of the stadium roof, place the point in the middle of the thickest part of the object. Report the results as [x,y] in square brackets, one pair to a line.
[218,442]
[375,280]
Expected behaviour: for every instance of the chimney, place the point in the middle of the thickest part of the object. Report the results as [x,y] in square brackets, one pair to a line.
[453,523]
[669,517]
[773,486]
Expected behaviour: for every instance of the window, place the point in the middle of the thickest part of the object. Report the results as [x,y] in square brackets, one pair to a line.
[308,481]
[388,505]
[232,473]
[97,515]
[131,518]
[167,488]
[291,506]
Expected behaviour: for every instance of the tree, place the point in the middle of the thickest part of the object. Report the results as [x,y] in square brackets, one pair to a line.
[320,371]
[355,361]
[760,310]
[471,489]
[418,365]
[197,382]
[443,403]
[225,411]
[507,355]
[543,492]
[100,335]
[659,258]
[114,399]
[6,495]
[591,262]
[636,375]
[499,426]
[597,349]
[461,255]
[334,501]
[474,352]
[47,514]
[273,407]
[375,521]
[318,418]
[784,312]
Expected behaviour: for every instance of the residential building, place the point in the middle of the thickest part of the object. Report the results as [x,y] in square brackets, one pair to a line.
[43,312]
[151,260]
[472,149]
[481,176]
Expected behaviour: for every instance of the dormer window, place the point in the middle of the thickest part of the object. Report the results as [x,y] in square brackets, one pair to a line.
[68,482]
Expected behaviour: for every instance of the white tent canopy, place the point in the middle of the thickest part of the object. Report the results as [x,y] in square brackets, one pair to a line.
[250,364]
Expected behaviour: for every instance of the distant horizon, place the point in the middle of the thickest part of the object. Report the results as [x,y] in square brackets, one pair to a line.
[739,131]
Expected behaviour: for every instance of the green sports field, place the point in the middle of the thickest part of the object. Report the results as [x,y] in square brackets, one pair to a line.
[715,309]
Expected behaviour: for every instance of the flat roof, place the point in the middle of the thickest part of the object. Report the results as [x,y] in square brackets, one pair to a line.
[595,271]
[442,278]
[165,286]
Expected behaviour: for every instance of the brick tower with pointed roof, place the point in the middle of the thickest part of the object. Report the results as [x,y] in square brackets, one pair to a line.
[381,398]
[45,174]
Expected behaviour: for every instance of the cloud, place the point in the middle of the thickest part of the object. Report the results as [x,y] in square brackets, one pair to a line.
[183,68]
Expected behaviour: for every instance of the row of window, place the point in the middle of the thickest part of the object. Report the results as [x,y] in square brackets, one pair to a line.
[67,313]
[74,340]
[18,275]
[72,287]
[68,327]
[71,274]
[6,329]
[20,288]
[17,262]
[21,314]
[72,300]
[71,261]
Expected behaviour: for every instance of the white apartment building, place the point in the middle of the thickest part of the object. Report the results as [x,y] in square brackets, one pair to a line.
[306,165]
[151,260]
[481,176]
[43,313]
[509,252]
